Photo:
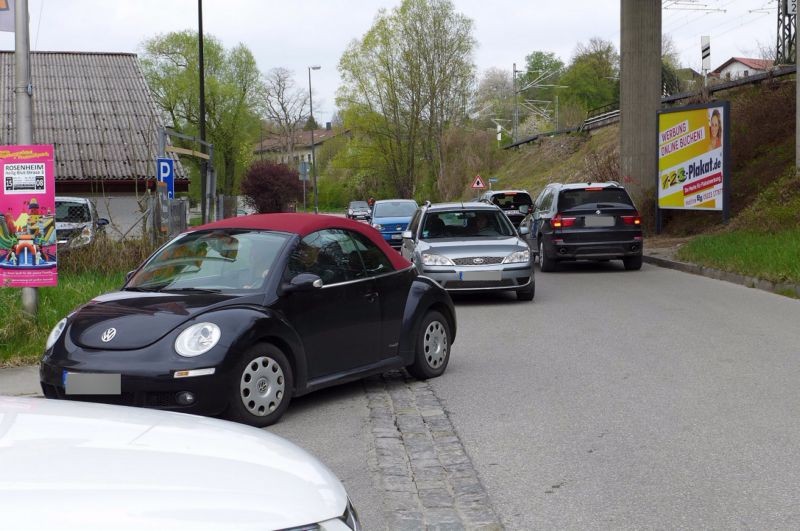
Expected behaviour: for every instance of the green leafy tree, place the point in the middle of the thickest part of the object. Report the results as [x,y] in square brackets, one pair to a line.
[404,83]
[233,89]
[593,75]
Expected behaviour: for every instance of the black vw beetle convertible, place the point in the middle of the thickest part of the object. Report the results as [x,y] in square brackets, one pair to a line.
[238,316]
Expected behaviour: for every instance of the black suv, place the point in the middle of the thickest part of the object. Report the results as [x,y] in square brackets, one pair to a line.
[585,221]
[515,204]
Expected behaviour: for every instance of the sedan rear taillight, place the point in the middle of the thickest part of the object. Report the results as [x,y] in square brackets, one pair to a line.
[560,222]
[632,220]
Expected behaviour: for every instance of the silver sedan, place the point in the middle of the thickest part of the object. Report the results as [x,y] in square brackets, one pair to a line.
[469,247]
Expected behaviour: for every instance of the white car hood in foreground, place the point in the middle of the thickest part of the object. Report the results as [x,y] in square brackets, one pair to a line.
[79,466]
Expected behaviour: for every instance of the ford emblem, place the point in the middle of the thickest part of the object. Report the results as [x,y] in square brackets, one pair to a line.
[108,335]
[477,260]
[399,227]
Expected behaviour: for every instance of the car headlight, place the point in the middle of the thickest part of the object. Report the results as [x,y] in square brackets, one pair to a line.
[55,333]
[197,339]
[377,226]
[350,517]
[517,257]
[436,260]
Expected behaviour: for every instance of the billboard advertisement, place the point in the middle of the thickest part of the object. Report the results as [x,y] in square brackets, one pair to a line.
[27,217]
[692,157]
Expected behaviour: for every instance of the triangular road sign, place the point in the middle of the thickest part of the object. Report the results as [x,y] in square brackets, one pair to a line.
[478,182]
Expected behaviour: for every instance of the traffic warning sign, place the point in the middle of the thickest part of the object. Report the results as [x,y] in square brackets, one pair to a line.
[478,182]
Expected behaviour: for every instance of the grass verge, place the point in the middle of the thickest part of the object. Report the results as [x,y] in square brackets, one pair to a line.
[82,274]
[767,256]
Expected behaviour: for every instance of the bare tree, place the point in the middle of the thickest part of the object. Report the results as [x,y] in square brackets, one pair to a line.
[285,106]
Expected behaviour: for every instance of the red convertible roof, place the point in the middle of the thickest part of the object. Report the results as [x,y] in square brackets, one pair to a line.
[304,224]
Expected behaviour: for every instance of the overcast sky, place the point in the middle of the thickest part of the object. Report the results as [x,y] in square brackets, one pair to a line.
[298,33]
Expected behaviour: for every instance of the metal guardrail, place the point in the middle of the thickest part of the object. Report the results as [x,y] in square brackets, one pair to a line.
[607,117]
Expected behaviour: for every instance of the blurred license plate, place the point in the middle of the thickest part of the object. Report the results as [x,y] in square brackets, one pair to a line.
[87,383]
[397,236]
[480,275]
[598,221]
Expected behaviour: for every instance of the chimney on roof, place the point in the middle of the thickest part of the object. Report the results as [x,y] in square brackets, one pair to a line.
[327,126]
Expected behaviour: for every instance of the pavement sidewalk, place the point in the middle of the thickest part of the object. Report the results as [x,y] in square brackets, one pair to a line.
[20,381]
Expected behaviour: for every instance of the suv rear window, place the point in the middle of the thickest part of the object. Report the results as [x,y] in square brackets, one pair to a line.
[591,197]
[512,201]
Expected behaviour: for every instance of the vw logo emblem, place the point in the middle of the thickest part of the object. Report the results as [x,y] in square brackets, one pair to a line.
[597,211]
[108,335]
[477,260]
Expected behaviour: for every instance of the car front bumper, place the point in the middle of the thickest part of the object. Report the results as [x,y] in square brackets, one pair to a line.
[152,386]
[477,278]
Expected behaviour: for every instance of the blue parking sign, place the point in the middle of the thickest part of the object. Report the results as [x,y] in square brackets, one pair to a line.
[165,169]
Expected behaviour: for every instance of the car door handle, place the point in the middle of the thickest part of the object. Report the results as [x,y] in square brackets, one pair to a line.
[371,296]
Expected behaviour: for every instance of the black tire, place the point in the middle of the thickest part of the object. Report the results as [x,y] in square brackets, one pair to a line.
[546,264]
[432,351]
[632,263]
[527,293]
[261,386]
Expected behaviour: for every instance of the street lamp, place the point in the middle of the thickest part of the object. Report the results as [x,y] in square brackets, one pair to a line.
[313,126]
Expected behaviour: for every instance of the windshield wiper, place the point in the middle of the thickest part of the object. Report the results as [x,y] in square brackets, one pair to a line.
[137,288]
[191,290]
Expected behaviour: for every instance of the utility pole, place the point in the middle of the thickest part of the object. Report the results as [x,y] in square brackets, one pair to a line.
[787,32]
[23,97]
[515,123]
[204,192]
[313,126]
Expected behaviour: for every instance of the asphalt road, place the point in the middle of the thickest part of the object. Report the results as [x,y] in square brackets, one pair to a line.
[650,399]
[617,399]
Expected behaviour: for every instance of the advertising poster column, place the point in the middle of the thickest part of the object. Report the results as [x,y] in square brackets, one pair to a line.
[693,166]
[27,217]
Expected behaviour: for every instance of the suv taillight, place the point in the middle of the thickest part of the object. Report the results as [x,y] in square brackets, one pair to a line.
[560,222]
[632,220]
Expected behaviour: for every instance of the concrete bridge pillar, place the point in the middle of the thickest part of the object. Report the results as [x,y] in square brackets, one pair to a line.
[640,96]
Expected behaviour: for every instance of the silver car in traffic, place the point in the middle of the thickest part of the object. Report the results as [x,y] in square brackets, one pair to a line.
[469,247]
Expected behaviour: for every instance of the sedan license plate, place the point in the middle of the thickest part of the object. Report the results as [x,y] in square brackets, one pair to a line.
[89,383]
[397,236]
[480,275]
[598,221]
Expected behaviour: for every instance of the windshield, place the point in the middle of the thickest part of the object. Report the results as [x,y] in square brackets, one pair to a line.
[589,197]
[512,200]
[394,209]
[72,212]
[359,204]
[466,223]
[218,260]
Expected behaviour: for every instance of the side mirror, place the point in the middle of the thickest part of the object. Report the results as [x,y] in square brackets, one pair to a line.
[407,235]
[524,209]
[101,222]
[129,274]
[523,230]
[302,282]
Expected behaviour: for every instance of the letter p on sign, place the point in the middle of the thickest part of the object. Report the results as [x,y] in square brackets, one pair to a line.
[166,173]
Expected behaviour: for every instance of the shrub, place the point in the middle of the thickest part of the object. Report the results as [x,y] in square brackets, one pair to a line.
[271,187]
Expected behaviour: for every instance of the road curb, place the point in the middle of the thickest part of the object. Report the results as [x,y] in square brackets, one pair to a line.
[789,289]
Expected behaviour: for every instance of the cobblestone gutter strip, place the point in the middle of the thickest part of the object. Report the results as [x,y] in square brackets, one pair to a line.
[428,481]
[781,288]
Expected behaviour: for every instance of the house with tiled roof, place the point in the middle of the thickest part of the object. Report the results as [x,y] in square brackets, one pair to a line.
[738,67]
[97,111]
[276,148]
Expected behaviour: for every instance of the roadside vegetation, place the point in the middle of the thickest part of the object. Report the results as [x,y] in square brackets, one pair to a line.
[83,274]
